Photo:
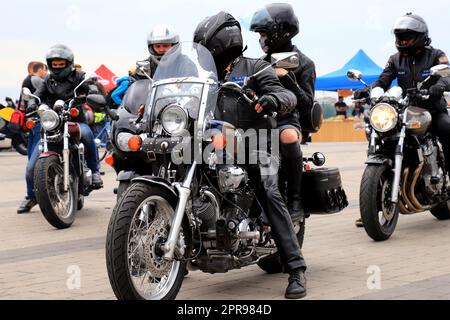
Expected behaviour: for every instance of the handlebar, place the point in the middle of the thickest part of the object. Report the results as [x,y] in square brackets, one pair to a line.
[249,96]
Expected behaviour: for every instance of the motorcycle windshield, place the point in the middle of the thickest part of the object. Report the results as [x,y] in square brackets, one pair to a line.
[185,77]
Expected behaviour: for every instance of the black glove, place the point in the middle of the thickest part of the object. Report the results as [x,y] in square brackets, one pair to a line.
[361,94]
[269,103]
[31,108]
[437,90]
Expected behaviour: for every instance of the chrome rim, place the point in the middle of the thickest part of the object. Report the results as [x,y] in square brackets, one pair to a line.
[152,277]
[62,202]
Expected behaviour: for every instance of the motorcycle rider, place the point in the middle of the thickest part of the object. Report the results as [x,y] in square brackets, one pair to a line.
[411,65]
[277,24]
[32,82]
[221,35]
[160,40]
[59,85]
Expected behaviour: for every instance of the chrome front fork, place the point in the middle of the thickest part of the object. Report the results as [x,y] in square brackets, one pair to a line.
[184,191]
[66,157]
[399,162]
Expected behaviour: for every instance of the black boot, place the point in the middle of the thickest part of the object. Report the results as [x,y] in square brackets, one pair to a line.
[271,263]
[296,288]
[293,164]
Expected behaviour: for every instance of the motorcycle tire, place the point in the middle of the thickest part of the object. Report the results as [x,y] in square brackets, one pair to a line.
[371,196]
[120,272]
[442,211]
[48,177]
[123,186]
[19,144]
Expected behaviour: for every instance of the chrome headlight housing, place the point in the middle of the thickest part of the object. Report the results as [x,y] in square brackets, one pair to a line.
[122,141]
[174,119]
[383,117]
[49,120]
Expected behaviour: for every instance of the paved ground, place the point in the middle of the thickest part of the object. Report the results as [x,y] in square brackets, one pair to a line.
[39,262]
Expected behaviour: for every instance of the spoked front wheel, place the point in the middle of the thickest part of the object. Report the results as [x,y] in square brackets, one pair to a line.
[138,228]
[57,206]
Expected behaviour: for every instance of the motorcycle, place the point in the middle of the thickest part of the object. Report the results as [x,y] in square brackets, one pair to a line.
[61,176]
[127,160]
[199,212]
[19,140]
[405,172]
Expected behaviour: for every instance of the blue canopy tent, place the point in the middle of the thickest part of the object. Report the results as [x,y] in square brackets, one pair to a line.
[337,80]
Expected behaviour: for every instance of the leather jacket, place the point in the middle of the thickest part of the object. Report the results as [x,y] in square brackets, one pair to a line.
[54,90]
[411,70]
[238,112]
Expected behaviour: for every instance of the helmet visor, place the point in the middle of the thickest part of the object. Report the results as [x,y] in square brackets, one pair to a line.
[261,21]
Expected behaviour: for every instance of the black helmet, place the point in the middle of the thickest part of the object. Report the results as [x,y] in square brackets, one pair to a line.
[280,23]
[60,51]
[221,35]
[414,26]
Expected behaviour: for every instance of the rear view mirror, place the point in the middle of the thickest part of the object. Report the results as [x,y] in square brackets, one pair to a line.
[27,95]
[441,70]
[96,100]
[354,75]
[286,60]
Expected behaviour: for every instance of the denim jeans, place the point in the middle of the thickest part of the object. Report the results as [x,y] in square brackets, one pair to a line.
[87,137]
[33,155]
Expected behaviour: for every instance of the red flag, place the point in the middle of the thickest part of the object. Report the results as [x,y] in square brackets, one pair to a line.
[106,77]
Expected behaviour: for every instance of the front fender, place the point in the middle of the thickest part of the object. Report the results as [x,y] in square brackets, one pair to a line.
[378,159]
[48,154]
[152,180]
[126,175]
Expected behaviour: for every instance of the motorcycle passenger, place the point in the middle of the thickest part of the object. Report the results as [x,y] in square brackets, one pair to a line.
[411,65]
[221,35]
[277,24]
[59,85]
[35,79]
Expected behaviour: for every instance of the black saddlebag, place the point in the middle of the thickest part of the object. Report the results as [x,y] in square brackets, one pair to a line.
[322,191]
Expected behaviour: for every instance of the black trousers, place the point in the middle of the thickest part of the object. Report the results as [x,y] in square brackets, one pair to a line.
[440,126]
[265,173]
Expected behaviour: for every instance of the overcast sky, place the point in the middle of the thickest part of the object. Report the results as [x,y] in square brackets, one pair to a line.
[114,33]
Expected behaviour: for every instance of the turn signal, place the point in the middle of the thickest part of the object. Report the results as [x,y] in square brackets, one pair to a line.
[219,141]
[109,159]
[135,143]
[74,112]
[30,124]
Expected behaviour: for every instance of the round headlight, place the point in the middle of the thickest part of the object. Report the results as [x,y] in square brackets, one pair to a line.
[49,120]
[122,141]
[174,120]
[383,117]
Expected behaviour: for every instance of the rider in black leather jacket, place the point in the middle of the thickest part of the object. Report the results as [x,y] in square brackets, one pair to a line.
[60,85]
[411,65]
[221,34]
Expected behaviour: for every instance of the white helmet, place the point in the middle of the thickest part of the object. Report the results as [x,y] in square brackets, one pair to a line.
[161,33]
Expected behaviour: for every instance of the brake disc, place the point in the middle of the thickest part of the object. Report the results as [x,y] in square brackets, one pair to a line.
[154,261]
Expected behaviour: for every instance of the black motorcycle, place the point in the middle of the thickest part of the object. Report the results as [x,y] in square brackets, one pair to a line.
[61,176]
[126,159]
[405,170]
[199,211]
